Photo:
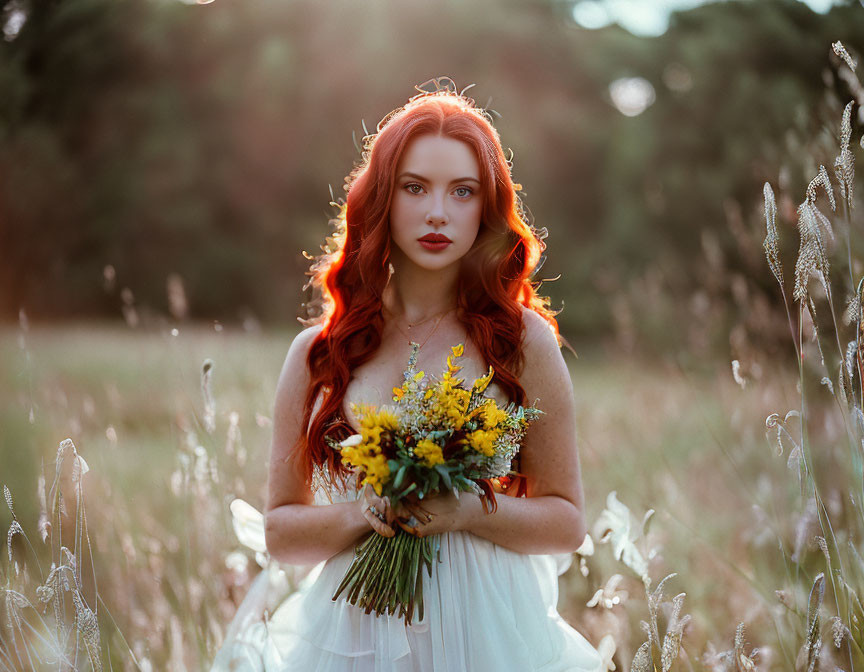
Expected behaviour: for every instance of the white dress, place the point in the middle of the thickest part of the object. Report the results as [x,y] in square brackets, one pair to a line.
[486,608]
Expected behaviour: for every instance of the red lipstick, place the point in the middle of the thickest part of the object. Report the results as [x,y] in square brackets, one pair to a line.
[435,241]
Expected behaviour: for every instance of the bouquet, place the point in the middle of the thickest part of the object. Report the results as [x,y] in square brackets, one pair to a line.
[436,435]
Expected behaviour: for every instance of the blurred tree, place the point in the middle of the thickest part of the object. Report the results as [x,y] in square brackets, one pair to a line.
[163,138]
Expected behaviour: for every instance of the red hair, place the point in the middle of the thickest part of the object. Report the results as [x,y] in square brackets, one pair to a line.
[353,271]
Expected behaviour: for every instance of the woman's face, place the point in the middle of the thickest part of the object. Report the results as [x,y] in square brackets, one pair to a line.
[436,197]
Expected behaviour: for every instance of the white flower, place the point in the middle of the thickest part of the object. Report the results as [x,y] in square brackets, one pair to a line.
[606,649]
[353,440]
[248,525]
[609,595]
[587,547]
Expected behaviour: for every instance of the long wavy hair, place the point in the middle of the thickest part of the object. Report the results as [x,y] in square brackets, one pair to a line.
[351,274]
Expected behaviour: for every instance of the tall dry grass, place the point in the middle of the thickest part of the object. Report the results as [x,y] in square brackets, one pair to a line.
[806,584]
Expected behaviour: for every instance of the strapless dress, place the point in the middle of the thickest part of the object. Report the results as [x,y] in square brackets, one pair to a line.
[487,608]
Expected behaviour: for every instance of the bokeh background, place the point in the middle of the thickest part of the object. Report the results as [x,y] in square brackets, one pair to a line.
[164,166]
[157,139]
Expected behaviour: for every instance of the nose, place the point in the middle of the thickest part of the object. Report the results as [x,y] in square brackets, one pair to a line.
[437,216]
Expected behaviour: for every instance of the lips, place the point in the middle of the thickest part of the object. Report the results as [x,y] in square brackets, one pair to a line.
[435,238]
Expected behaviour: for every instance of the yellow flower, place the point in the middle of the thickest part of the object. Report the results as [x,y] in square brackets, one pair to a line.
[429,452]
[367,458]
[398,393]
[482,383]
[371,435]
[449,406]
[491,415]
[381,419]
[483,441]
[377,472]
[451,368]
[388,419]
[457,350]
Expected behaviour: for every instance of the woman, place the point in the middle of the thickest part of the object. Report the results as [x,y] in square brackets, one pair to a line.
[432,247]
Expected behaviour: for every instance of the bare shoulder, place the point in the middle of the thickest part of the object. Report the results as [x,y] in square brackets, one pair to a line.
[286,486]
[549,454]
[294,378]
[304,339]
[539,333]
[294,366]
[545,370]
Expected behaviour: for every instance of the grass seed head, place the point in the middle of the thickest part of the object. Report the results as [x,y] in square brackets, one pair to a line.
[14,528]
[812,256]
[840,50]
[642,660]
[772,240]
[844,164]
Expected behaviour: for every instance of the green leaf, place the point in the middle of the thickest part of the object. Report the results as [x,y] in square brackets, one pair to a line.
[445,476]
[400,475]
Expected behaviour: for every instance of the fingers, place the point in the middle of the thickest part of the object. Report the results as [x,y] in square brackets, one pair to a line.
[417,506]
[380,527]
[389,514]
[421,514]
[400,510]
[375,506]
[410,529]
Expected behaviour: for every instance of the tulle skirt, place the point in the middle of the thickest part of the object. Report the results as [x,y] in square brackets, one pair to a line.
[486,608]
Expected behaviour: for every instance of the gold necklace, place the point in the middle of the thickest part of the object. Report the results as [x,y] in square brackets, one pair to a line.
[425,340]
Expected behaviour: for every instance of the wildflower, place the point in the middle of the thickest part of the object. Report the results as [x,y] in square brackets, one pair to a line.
[482,383]
[491,415]
[429,452]
[483,441]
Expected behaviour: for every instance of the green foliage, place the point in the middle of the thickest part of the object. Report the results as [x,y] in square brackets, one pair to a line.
[163,138]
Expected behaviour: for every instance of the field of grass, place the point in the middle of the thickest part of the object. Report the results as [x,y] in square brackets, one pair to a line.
[690,445]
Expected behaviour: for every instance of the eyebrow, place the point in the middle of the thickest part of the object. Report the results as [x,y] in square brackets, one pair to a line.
[424,179]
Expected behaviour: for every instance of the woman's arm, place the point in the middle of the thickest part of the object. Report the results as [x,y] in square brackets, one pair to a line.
[551,518]
[296,530]
[544,524]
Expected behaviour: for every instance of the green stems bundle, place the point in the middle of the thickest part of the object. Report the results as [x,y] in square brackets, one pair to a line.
[386,575]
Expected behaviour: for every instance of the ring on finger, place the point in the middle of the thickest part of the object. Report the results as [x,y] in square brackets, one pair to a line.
[375,512]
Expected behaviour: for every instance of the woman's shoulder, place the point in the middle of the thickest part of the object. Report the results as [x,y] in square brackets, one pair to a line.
[540,336]
[303,340]
[294,371]
[545,374]
[308,334]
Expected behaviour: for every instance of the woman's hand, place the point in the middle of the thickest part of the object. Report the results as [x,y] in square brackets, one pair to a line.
[438,513]
[369,498]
